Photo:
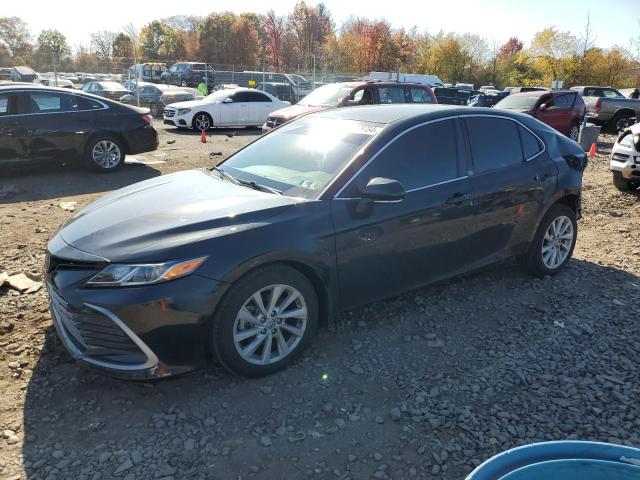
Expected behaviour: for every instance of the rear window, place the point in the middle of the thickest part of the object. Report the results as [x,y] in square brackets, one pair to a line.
[530,144]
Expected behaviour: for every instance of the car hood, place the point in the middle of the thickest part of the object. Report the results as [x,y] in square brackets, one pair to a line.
[145,221]
[294,111]
[189,104]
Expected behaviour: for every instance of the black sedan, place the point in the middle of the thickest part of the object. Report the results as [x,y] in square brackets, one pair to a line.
[45,123]
[336,209]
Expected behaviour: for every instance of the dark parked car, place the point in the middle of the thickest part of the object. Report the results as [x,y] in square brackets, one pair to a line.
[454,96]
[283,91]
[156,97]
[110,90]
[330,211]
[189,74]
[563,110]
[486,100]
[46,123]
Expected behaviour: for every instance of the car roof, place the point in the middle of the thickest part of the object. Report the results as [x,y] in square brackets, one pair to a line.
[390,113]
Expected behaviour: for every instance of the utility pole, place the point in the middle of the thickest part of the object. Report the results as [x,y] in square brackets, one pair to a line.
[130,30]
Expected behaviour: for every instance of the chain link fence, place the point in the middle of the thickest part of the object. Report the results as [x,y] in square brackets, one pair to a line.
[290,85]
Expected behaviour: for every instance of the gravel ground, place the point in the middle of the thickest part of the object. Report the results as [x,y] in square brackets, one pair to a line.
[425,385]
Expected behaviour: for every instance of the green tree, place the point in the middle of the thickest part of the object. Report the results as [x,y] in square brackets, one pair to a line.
[51,48]
[159,42]
[15,36]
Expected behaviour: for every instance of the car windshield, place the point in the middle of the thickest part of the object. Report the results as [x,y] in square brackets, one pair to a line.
[218,95]
[111,86]
[518,102]
[302,157]
[326,96]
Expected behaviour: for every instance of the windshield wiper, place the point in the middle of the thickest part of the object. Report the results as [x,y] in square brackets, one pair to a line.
[258,186]
[224,175]
[246,183]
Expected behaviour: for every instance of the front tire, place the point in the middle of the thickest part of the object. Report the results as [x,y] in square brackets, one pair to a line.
[265,321]
[105,153]
[553,243]
[202,121]
[623,184]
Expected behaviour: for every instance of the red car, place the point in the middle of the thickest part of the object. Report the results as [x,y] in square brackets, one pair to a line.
[563,110]
[346,94]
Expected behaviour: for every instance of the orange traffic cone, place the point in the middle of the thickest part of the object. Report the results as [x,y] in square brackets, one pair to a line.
[203,137]
[592,150]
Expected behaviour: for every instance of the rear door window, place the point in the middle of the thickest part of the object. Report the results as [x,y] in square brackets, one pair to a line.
[563,101]
[257,97]
[391,95]
[8,104]
[419,95]
[494,143]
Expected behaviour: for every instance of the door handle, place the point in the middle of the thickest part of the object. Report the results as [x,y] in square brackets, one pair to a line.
[458,198]
[541,177]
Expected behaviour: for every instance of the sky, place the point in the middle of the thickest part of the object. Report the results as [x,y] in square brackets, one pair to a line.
[614,21]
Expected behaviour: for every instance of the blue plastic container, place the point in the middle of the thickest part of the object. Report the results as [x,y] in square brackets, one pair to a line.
[562,460]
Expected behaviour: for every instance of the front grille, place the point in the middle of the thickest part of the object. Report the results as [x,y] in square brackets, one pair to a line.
[620,157]
[94,335]
[168,112]
[53,263]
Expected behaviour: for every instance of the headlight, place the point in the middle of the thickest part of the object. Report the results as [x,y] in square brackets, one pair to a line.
[627,140]
[182,111]
[123,275]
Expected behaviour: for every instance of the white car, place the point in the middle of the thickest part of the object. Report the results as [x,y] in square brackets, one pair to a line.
[235,107]
[625,160]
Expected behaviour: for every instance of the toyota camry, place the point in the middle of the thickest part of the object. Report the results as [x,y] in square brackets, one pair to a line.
[242,262]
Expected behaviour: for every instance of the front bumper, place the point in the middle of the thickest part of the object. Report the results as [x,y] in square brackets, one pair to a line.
[626,161]
[140,333]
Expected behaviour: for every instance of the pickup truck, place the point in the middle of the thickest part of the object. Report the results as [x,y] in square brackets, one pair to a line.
[608,107]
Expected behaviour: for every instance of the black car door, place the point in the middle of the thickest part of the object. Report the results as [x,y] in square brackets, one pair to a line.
[394,246]
[512,180]
[58,123]
[12,124]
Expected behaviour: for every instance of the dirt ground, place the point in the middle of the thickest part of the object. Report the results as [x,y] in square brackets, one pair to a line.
[425,385]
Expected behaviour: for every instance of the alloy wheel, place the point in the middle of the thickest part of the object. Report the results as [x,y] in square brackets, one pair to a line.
[557,242]
[202,122]
[270,324]
[106,154]
[574,133]
[622,124]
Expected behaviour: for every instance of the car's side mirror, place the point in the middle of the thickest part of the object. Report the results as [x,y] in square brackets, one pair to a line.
[381,189]
[228,100]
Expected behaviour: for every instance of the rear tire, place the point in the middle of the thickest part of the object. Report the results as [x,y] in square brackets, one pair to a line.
[553,243]
[623,184]
[619,122]
[105,153]
[254,341]
[574,132]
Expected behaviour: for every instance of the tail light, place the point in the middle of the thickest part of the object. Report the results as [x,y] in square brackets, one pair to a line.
[598,106]
[147,118]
